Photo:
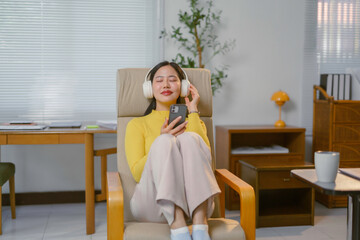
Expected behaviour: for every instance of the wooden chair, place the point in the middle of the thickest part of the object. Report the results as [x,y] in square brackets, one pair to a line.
[103,153]
[7,172]
[120,185]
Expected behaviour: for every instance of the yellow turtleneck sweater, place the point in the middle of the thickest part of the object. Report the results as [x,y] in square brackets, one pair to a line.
[141,133]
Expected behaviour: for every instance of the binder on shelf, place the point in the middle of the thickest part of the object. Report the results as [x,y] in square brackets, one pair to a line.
[341,93]
[347,87]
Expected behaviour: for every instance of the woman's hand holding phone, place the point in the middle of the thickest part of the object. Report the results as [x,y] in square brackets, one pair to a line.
[191,106]
[169,128]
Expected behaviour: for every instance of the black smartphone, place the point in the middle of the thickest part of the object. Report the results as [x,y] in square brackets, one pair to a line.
[177,110]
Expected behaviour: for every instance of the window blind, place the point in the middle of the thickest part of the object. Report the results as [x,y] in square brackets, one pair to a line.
[58,58]
[310,66]
[338,35]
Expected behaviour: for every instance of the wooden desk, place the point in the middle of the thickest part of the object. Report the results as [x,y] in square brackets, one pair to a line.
[343,185]
[65,136]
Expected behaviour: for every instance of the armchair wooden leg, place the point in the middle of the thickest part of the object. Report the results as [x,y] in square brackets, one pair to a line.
[12,196]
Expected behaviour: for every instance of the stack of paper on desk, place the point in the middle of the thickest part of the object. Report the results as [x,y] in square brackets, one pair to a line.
[352,172]
[111,124]
[259,150]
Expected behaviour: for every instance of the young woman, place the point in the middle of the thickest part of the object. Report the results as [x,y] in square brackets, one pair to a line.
[172,165]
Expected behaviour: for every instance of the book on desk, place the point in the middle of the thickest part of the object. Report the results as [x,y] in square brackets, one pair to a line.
[65,124]
[22,127]
[29,125]
[110,124]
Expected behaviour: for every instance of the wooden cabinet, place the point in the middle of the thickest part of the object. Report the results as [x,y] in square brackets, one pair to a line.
[336,127]
[231,137]
[281,200]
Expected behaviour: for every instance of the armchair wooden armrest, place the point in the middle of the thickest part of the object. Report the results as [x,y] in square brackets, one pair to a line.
[115,206]
[247,200]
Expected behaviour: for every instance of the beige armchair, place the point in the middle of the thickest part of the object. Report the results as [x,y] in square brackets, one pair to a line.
[120,185]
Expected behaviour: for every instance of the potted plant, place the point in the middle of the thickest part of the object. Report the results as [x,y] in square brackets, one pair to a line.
[200,42]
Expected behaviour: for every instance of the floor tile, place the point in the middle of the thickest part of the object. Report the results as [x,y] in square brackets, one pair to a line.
[268,234]
[68,208]
[66,226]
[31,226]
[100,222]
[67,221]
[302,233]
[330,224]
[29,210]
[102,236]
[5,213]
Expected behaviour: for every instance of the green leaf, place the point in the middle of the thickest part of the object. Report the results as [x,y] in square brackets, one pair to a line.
[200,25]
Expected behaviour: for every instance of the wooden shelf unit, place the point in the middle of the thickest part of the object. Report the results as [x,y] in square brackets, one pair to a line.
[336,127]
[293,138]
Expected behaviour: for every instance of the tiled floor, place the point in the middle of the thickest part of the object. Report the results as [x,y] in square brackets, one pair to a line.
[67,221]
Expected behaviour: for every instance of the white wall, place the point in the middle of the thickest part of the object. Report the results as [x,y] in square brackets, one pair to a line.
[268,57]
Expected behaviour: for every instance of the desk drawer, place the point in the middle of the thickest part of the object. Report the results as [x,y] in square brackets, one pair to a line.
[278,180]
[33,139]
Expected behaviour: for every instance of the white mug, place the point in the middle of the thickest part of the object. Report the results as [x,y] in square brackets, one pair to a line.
[326,165]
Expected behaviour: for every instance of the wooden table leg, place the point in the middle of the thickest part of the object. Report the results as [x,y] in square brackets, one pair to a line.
[89,184]
[354,223]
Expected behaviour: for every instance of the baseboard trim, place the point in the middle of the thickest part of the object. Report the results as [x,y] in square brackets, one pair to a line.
[47,197]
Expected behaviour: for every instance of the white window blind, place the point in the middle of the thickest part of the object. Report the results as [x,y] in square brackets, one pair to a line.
[338,35]
[310,66]
[58,58]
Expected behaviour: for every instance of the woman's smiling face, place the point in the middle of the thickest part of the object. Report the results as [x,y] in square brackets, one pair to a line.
[166,87]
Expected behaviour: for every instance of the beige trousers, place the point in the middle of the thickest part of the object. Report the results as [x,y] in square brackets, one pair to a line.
[177,171]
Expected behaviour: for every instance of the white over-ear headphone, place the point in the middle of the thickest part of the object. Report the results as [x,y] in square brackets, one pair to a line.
[147,85]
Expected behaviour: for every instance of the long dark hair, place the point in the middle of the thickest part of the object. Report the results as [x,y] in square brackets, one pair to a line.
[180,73]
